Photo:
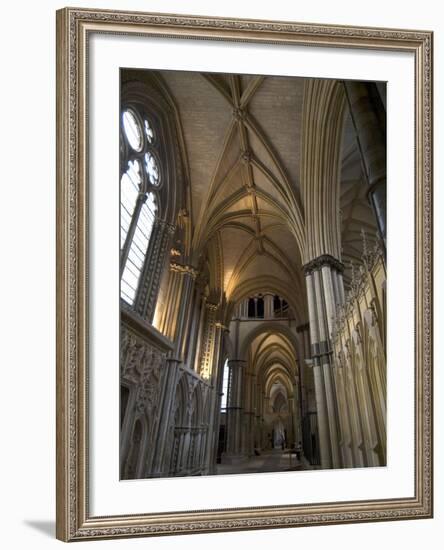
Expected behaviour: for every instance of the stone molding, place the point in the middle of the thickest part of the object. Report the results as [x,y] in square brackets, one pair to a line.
[239,114]
[141,363]
[211,306]
[320,262]
[152,270]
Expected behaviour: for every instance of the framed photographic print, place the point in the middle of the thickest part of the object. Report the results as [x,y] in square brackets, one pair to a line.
[244,274]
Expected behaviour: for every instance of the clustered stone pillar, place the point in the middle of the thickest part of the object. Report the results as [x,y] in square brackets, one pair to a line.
[157,467]
[369,120]
[325,292]
[234,410]
[353,438]
[208,338]
[310,434]
[193,326]
[188,276]
[175,319]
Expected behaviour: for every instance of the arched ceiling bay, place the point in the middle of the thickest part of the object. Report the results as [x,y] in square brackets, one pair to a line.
[205,121]
[242,139]
[277,108]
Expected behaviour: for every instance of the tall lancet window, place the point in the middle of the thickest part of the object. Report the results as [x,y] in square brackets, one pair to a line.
[139,183]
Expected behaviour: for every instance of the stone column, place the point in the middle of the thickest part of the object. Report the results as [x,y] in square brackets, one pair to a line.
[204,431]
[168,392]
[357,441]
[303,339]
[321,407]
[234,411]
[193,333]
[152,270]
[200,333]
[367,410]
[182,322]
[215,397]
[325,304]
[245,303]
[171,307]
[248,413]
[186,448]
[268,306]
[294,421]
[208,368]
[369,119]
[348,459]
[322,303]
[207,347]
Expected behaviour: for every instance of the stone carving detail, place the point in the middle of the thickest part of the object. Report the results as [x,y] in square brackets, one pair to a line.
[147,394]
[185,269]
[142,363]
[239,114]
[320,261]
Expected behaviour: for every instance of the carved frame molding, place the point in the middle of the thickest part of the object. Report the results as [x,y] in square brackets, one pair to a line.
[74,521]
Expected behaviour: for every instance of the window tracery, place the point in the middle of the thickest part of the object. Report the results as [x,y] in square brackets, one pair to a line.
[138,198]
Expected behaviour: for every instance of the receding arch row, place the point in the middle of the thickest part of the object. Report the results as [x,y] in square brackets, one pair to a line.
[268,327]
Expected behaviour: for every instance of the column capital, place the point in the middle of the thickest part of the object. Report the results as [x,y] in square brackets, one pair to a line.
[185,269]
[320,262]
[211,305]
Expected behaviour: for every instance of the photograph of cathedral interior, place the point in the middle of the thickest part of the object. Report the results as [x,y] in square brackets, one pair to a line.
[252,274]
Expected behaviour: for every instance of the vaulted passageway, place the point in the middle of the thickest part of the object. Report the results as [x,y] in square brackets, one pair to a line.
[252,274]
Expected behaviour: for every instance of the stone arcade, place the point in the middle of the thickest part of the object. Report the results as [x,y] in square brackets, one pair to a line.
[253,274]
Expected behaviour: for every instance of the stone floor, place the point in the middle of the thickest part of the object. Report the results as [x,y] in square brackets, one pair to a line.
[268,461]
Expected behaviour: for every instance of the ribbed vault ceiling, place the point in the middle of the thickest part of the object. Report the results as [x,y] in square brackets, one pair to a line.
[242,138]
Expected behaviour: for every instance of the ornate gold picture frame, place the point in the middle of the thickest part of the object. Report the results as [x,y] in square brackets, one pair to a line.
[76,517]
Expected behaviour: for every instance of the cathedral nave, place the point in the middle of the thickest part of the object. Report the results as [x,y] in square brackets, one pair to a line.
[253,274]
